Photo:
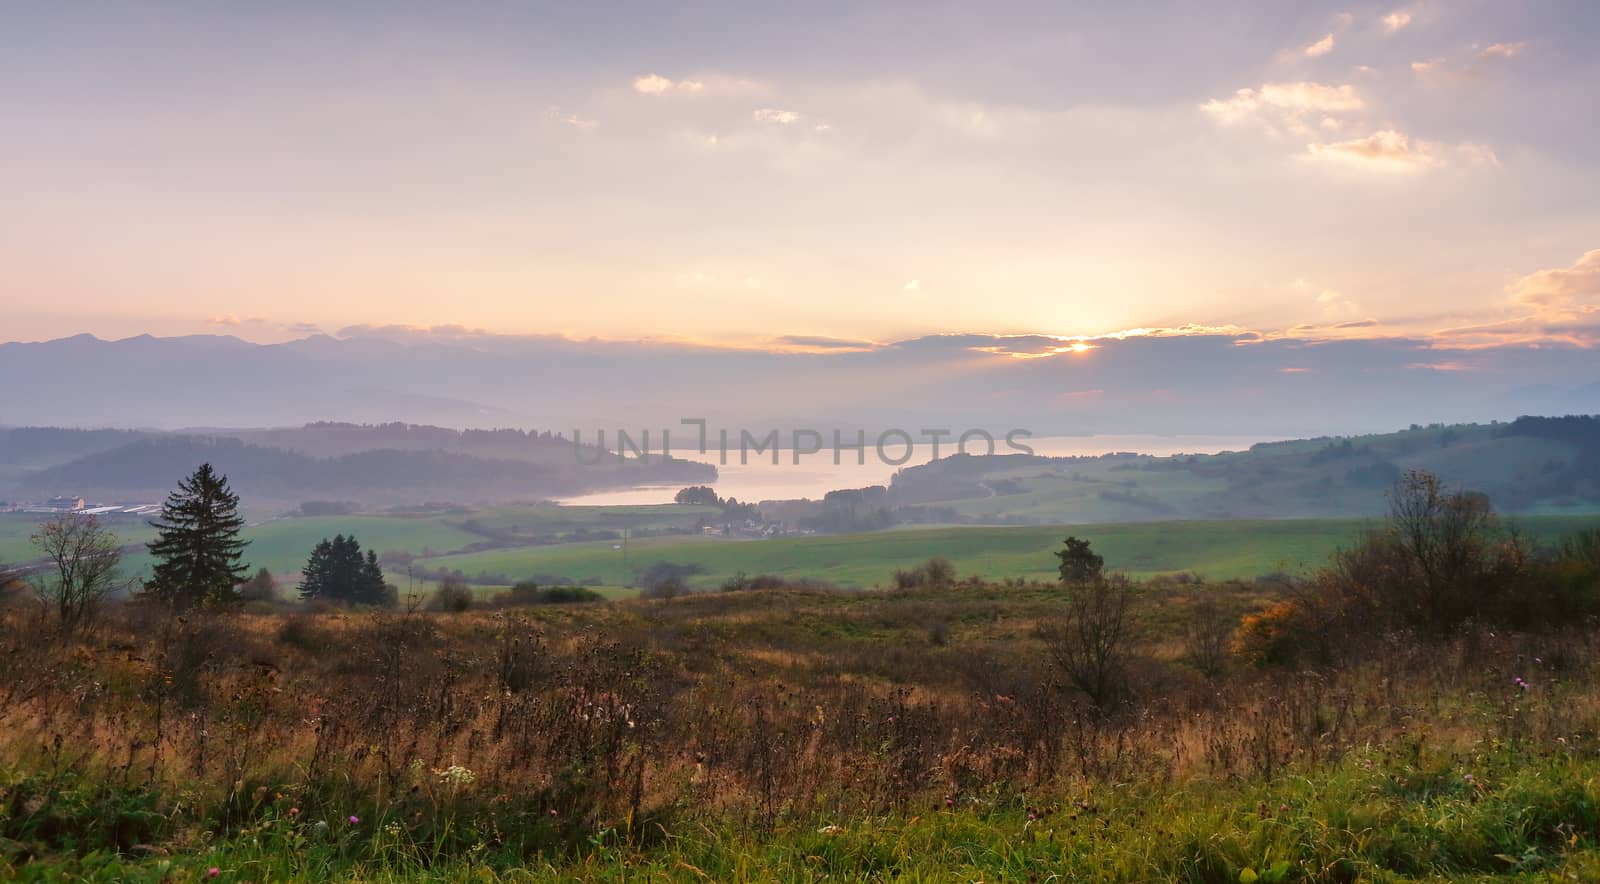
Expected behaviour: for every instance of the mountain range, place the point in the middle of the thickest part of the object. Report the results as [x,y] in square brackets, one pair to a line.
[1191,382]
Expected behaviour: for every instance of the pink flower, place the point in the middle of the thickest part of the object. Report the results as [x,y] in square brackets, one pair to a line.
[354,820]
[213,872]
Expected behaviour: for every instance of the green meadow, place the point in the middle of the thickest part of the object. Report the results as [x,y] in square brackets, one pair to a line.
[1214,549]
[1217,550]
[281,545]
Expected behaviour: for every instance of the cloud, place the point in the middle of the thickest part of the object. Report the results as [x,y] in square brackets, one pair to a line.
[403,333]
[1560,288]
[1478,155]
[1559,305]
[1320,48]
[1503,50]
[913,286]
[655,84]
[230,320]
[1334,303]
[822,342]
[1284,99]
[576,121]
[1385,151]
[773,115]
[1422,67]
[1287,108]
[1395,21]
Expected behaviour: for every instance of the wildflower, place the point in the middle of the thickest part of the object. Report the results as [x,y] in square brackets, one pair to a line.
[294,811]
[213,872]
[456,775]
[1468,778]
[355,820]
[553,812]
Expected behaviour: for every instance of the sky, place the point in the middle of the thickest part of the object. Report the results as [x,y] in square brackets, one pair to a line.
[814,176]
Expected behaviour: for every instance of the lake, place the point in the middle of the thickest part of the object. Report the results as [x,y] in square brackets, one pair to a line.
[816,474]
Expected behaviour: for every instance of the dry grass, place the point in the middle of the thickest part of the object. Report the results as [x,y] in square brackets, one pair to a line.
[758,707]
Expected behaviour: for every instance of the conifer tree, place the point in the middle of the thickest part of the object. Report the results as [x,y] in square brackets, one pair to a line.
[197,546]
[337,572]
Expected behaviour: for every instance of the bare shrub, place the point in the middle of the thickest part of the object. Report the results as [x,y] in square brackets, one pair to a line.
[665,580]
[936,573]
[452,597]
[1093,642]
[1207,638]
[83,558]
[1436,565]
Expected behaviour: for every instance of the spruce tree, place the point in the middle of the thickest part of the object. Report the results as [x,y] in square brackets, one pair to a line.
[373,590]
[317,575]
[337,572]
[197,546]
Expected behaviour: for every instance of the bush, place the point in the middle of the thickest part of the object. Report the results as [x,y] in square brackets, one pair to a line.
[452,597]
[301,631]
[669,588]
[1207,635]
[742,583]
[1442,562]
[664,580]
[260,588]
[1093,642]
[1078,561]
[936,573]
[530,593]
[13,593]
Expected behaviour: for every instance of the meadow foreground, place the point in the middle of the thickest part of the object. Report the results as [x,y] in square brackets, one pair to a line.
[789,734]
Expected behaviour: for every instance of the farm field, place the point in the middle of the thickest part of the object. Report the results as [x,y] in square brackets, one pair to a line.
[1217,550]
[1214,549]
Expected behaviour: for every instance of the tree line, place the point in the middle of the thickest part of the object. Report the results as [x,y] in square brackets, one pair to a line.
[199,559]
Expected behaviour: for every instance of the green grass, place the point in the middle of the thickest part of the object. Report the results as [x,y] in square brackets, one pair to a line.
[281,545]
[549,518]
[1370,817]
[1218,550]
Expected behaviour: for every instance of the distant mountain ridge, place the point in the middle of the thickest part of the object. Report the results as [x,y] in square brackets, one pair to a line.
[1529,465]
[1193,383]
[371,464]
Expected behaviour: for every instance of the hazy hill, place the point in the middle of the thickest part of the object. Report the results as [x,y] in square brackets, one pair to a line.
[370,465]
[329,439]
[1531,465]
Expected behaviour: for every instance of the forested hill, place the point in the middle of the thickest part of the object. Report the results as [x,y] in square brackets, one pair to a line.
[367,464]
[1530,465]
